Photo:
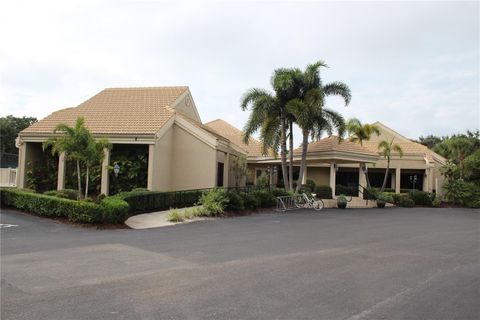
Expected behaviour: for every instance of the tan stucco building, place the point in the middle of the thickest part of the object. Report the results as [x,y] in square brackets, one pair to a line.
[183,153]
[332,162]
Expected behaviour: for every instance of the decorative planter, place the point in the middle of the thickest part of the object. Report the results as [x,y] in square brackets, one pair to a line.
[380,204]
[341,205]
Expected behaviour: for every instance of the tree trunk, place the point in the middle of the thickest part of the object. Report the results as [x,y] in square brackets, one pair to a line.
[283,151]
[303,163]
[290,167]
[79,180]
[386,175]
[86,181]
[368,179]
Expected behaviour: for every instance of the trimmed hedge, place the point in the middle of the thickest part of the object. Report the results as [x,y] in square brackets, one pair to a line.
[65,193]
[323,192]
[422,198]
[347,191]
[55,207]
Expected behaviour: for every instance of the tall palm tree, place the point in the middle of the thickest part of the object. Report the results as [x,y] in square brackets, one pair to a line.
[267,115]
[386,148]
[310,112]
[358,132]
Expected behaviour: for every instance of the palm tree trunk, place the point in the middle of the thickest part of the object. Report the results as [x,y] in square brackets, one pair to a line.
[79,180]
[368,179]
[290,168]
[86,181]
[303,163]
[386,175]
[283,151]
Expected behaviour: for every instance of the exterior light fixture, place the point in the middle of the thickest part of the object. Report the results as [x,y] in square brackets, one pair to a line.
[116,169]
[413,180]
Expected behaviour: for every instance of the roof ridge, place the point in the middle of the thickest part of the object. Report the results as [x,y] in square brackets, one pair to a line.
[146,87]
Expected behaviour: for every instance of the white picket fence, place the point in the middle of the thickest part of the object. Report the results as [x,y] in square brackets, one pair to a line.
[8,177]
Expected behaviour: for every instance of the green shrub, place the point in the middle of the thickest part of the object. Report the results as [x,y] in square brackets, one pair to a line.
[406,201]
[266,198]
[214,202]
[370,193]
[421,198]
[349,191]
[174,215]
[436,203]
[191,213]
[115,210]
[279,192]
[385,197]
[235,201]
[55,193]
[342,199]
[464,193]
[251,201]
[311,184]
[323,192]
[263,180]
[55,207]
[140,190]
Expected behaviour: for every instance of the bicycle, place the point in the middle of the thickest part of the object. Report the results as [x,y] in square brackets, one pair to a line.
[303,201]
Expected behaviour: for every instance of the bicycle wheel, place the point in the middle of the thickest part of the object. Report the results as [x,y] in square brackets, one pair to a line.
[298,202]
[318,205]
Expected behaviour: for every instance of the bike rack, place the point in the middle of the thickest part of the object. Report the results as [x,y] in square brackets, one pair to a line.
[285,203]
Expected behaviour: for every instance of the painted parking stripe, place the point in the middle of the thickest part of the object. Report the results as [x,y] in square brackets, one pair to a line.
[6,225]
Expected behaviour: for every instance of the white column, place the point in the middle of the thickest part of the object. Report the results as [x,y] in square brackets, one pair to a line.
[333,177]
[105,184]
[426,178]
[362,179]
[397,180]
[151,154]
[61,171]
[304,178]
[22,165]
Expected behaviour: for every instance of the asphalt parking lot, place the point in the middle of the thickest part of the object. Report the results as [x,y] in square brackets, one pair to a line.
[337,264]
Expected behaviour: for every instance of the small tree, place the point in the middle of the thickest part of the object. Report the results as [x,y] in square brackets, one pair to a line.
[239,168]
[79,145]
[386,147]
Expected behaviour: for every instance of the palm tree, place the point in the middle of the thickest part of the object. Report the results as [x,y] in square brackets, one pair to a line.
[386,147]
[358,132]
[268,115]
[94,153]
[310,112]
[78,144]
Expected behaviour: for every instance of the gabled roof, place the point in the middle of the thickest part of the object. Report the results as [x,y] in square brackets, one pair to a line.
[334,144]
[408,146]
[253,148]
[117,111]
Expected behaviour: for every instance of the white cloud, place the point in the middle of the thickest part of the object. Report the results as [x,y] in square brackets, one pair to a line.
[414,66]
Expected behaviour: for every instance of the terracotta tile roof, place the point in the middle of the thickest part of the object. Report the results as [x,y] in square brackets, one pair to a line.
[117,111]
[254,147]
[407,147]
[332,143]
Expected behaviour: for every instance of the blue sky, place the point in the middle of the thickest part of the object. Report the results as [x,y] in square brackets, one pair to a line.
[411,65]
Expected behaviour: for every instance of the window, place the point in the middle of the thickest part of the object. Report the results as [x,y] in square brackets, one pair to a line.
[220,174]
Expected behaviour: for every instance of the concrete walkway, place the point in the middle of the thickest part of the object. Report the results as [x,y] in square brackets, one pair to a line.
[156,220]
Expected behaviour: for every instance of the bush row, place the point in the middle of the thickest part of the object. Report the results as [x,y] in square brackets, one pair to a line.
[110,210]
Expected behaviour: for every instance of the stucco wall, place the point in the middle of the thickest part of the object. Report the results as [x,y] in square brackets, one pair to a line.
[162,162]
[193,162]
[320,175]
[186,106]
